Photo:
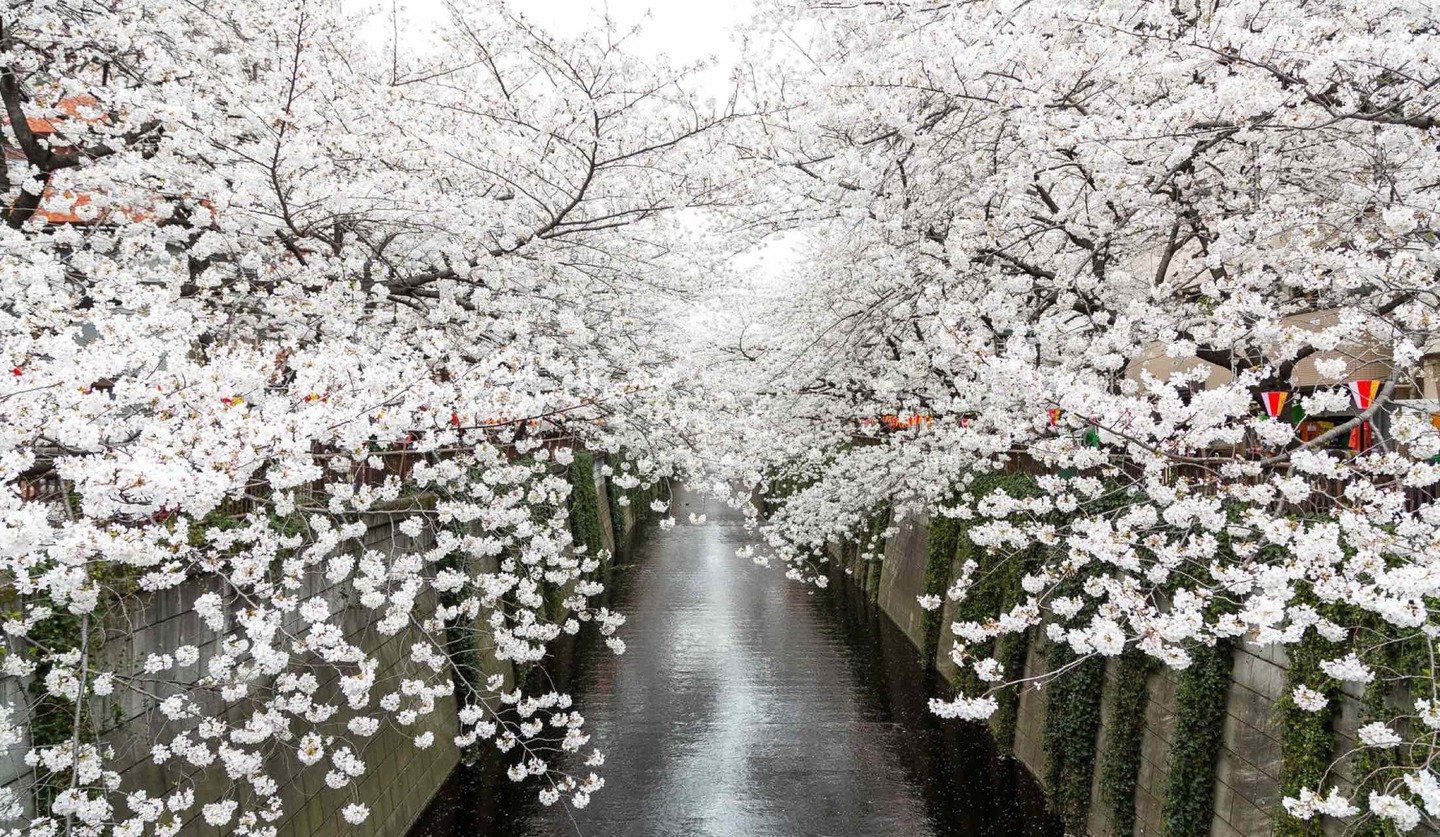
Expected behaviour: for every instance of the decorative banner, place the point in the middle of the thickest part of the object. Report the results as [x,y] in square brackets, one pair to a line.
[1274,402]
[904,422]
[1363,393]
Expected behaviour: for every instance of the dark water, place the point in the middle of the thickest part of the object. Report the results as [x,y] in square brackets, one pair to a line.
[747,705]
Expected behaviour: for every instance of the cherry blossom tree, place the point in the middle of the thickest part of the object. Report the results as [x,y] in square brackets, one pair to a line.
[268,287]
[1083,240]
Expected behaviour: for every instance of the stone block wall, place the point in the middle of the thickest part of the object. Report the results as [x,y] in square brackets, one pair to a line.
[902,579]
[1246,797]
[1029,745]
[400,778]
[1248,774]
[1155,743]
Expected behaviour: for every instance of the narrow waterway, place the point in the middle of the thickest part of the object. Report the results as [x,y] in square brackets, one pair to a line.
[747,705]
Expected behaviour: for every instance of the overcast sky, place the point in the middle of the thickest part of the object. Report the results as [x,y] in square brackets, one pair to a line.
[686,30]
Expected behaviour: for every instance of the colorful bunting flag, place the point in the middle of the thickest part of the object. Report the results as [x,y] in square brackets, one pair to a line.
[1363,393]
[1274,402]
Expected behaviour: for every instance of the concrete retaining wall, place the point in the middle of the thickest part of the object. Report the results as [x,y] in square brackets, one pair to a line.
[400,779]
[1248,769]
[902,578]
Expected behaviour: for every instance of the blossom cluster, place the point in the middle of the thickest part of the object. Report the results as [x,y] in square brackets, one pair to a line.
[302,331]
[1115,247]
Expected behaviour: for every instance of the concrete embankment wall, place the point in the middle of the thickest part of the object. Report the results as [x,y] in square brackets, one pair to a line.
[400,779]
[1246,795]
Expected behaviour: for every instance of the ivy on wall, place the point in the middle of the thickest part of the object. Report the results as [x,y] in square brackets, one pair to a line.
[1012,651]
[1072,721]
[617,511]
[875,545]
[1403,665]
[462,641]
[52,717]
[995,586]
[585,523]
[637,499]
[1307,739]
[940,550]
[1124,735]
[1200,712]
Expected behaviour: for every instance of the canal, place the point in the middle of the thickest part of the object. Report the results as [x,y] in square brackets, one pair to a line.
[747,705]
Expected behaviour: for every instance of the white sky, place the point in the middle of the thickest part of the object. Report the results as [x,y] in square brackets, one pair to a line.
[684,30]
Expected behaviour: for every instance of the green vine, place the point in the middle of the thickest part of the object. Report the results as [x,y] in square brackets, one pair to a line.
[1200,711]
[1012,651]
[637,499]
[52,717]
[1307,739]
[995,585]
[1373,767]
[875,545]
[617,511]
[1124,735]
[1072,721]
[944,539]
[585,522]
[462,643]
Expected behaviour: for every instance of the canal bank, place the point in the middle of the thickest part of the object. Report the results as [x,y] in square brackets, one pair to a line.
[1127,747]
[748,705]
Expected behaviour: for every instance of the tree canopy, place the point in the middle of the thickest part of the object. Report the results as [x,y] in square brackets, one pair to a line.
[269,285]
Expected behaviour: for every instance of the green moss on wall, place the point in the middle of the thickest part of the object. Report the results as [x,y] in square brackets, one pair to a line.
[52,718]
[875,546]
[1012,651]
[462,644]
[637,499]
[1403,668]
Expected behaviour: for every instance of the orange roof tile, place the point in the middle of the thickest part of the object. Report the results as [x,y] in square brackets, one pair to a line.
[70,107]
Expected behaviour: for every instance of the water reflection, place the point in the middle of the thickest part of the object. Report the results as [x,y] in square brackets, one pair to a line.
[748,706]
